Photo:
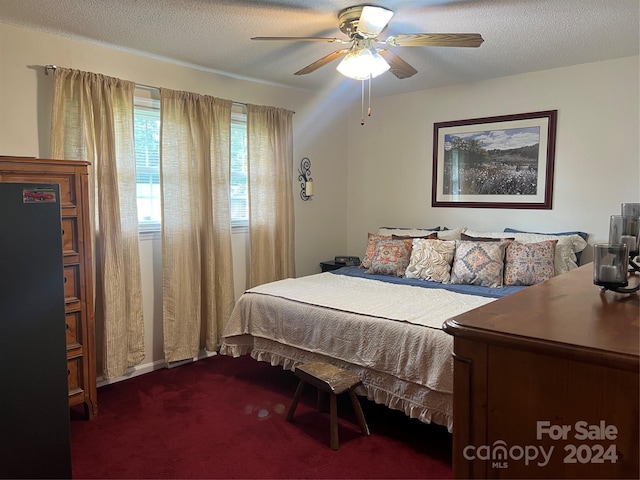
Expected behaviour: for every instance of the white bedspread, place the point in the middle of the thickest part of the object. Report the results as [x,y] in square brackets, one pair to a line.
[389,334]
[422,306]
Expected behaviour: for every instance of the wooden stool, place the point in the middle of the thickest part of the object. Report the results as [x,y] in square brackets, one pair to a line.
[333,380]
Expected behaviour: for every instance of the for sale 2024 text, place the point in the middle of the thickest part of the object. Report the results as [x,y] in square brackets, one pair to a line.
[585,453]
[582,453]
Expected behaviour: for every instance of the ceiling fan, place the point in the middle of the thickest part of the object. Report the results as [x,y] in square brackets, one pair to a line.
[363,60]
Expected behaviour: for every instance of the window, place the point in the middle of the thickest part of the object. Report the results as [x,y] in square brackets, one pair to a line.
[146,134]
[146,118]
[239,186]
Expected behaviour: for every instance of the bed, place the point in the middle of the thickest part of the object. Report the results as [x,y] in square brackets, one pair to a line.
[385,327]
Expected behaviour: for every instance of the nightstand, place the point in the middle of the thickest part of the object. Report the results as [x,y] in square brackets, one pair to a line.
[330,265]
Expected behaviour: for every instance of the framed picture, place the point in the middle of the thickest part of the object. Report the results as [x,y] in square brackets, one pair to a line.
[495,162]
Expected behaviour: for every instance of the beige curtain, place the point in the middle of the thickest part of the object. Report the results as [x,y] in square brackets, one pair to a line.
[197,284]
[93,120]
[271,215]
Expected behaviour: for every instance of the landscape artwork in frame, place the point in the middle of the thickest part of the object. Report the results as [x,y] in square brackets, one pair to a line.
[495,162]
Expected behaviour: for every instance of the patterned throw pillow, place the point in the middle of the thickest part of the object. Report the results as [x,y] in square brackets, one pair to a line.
[371,245]
[431,260]
[566,249]
[391,257]
[529,263]
[578,247]
[479,263]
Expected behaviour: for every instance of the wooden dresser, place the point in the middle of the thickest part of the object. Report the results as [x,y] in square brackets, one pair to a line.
[546,383]
[72,176]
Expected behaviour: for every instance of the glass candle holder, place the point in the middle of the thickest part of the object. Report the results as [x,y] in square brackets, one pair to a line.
[625,229]
[630,209]
[610,264]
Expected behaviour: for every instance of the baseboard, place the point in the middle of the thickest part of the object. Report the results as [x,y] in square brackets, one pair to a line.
[203,354]
[150,367]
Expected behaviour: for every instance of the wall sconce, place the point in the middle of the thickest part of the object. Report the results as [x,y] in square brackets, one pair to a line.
[615,261]
[306,186]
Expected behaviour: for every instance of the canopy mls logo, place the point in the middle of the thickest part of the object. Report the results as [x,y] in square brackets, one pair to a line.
[500,454]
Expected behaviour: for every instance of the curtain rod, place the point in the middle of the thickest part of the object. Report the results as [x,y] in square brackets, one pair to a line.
[52,68]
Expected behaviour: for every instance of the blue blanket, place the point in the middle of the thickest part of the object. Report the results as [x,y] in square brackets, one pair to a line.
[459,288]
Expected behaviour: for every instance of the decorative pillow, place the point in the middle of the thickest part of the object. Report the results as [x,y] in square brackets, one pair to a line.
[529,263]
[433,235]
[431,260]
[408,232]
[451,234]
[583,235]
[372,238]
[390,257]
[479,263]
[566,248]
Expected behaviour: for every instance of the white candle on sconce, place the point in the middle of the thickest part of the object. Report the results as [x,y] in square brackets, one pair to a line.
[308,189]
[608,273]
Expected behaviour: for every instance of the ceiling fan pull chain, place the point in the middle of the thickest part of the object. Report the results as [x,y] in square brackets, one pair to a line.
[369,110]
[362,100]
[362,103]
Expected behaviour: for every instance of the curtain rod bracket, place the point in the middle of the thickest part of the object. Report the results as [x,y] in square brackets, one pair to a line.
[48,68]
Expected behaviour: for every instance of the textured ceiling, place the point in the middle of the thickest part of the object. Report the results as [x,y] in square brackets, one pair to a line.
[520,35]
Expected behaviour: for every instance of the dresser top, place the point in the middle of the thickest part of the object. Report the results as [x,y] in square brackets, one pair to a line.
[34,160]
[567,315]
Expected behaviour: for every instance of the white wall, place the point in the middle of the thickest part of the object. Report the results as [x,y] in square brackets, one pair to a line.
[372,175]
[319,134]
[597,161]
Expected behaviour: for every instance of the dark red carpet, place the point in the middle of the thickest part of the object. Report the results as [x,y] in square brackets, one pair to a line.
[225,418]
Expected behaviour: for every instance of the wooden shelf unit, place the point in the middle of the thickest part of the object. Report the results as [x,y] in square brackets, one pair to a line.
[73,178]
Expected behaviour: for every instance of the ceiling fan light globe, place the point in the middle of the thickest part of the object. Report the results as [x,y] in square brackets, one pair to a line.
[350,67]
[377,65]
[364,64]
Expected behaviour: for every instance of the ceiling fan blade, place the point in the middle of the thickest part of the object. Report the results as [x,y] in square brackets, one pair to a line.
[322,62]
[304,39]
[436,40]
[373,20]
[399,67]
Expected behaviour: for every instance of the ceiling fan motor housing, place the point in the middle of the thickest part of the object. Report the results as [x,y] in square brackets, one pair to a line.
[349,18]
